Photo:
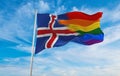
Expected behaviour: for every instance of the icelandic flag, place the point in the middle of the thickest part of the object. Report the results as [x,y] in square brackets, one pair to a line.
[57,30]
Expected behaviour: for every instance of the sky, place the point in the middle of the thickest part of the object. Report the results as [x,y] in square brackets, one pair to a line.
[16,31]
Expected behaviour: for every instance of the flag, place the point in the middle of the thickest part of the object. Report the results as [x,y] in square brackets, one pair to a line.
[57,30]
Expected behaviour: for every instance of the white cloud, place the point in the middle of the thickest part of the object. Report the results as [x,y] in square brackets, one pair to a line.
[82,71]
[60,10]
[14,67]
[71,71]
[13,71]
[43,6]
[102,62]
[75,9]
[70,61]
[15,27]
[84,9]
[111,15]
[112,34]
[18,29]
[24,48]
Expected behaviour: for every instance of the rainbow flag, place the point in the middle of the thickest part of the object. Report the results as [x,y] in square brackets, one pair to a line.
[58,30]
[88,26]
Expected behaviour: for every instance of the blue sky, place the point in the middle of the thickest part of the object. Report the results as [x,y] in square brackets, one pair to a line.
[16,30]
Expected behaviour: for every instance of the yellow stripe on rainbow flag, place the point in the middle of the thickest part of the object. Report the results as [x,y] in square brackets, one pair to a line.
[91,27]
[78,22]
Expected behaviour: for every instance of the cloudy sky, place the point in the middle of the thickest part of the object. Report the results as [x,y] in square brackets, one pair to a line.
[16,30]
